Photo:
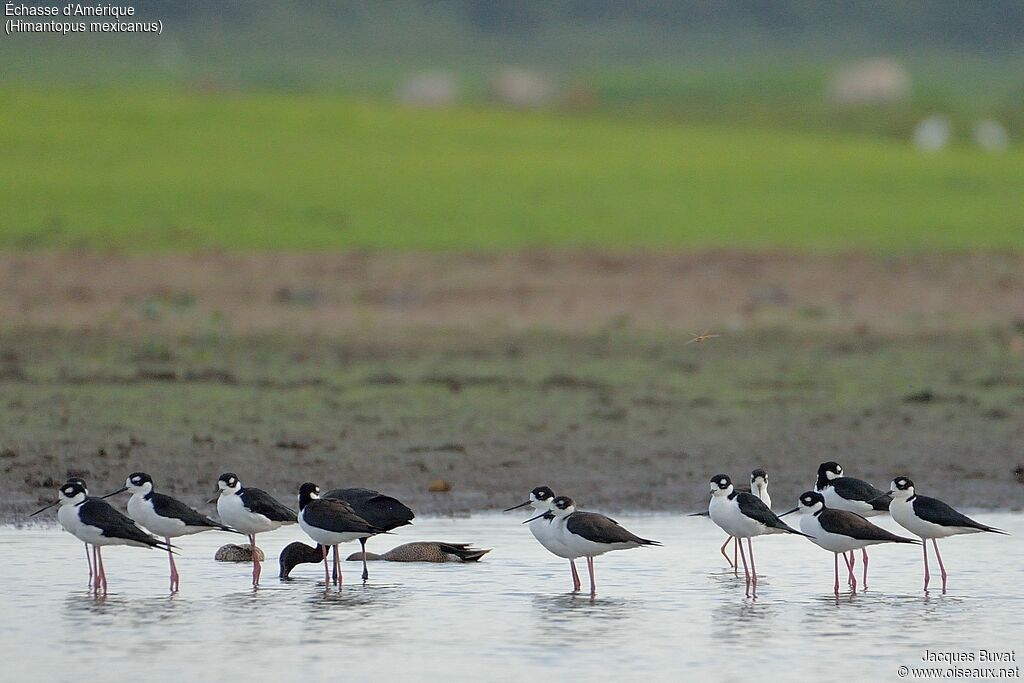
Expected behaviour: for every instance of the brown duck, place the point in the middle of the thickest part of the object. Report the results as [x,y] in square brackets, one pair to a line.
[423,551]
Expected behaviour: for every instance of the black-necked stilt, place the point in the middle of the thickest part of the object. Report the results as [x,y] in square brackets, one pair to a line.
[930,518]
[426,551]
[589,534]
[383,512]
[840,531]
[163,516]
[544,530]
[743,515]
[88,556]
[251,511]
[95,522]
[852,495]
[330,522]
[759,488]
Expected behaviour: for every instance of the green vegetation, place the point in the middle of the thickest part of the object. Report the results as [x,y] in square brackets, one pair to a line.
[159,170]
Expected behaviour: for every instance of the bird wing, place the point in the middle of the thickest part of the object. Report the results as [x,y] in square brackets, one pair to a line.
[853,525]
[380,510]
[97,513]
[262,503]
[600,529]
[935,511]
[753,507]
[858,489]
[165,506]
[336,515]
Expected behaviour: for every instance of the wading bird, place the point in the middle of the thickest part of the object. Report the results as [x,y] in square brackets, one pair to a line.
[251,511]
[589,534]
[381,511]
[852,495]
[930,518]
[330,522]
[743,515]
[163,516]
[542,499]
[840,531]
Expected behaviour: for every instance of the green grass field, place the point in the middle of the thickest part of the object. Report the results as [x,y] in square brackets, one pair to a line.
[159,170]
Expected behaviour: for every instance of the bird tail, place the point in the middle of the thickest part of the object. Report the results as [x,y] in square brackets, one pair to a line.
[699,514]
[647,541]
[992,529]
[464,552]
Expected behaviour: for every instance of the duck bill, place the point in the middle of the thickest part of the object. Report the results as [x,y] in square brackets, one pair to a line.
[527,521]
[789,512]
[114,493]
[516,507]
[43,509]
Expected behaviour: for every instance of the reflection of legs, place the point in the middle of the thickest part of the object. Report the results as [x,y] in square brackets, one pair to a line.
[864,585]
[927,576]
[942,569]
[746,572]
[836,589]
[593,584]
[725,554]
[575,576]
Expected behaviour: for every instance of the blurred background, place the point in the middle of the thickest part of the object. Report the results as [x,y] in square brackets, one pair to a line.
[445,247]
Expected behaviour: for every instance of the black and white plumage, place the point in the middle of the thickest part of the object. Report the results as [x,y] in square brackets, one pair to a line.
[743,515]
[840,531]
[930,518]
[251,511]
[163,515]
[542,499]
[95,522]
[589,534]
[330,522]
[852,495]
[381,511]
[88,554]
[847,493]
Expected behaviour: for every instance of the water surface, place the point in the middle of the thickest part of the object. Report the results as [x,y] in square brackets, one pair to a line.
[661,612]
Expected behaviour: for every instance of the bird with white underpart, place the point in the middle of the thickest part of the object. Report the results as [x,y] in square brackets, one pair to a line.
[930,518]
[840,531]
[853,495]
[541,499]
[164,516]
[588,534]
[743,516]
[251,511]
[88,555]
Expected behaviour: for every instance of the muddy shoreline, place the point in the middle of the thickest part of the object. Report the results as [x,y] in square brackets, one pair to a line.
[496,374]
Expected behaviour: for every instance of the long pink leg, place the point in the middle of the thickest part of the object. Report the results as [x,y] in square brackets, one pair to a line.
[89,560]
[575,577]
[942,569]
[927,576]
[255,561]
[722,550]
[836,589]
[593,584]
[96,573]
[337,567]
[174,570]
[746,572]
[851,561]
[327,572]
[853,575]
[753,567]
[864,585]
[102,571]
[735,560]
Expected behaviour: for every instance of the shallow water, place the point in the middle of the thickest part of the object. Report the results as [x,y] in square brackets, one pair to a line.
[662,612]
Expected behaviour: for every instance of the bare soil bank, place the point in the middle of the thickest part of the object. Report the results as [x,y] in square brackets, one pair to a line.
[499,373]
